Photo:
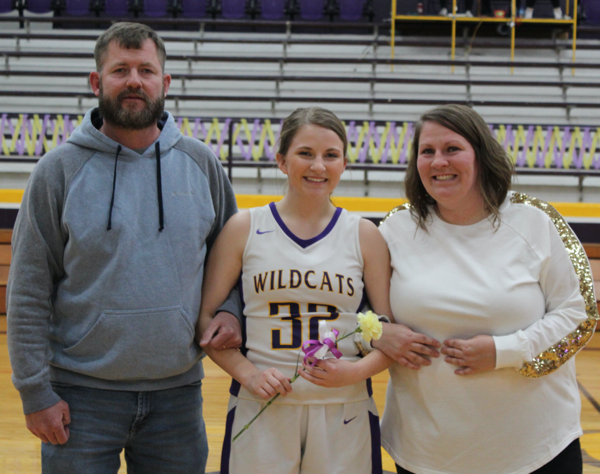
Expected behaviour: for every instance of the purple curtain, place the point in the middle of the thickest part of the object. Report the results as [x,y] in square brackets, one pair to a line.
[272,9]
[233,9]
[312,9]
[592,11]
[194,8]
[155,8]
[39,6]
[78,7]
[6,6]
[351,10]
[116,8]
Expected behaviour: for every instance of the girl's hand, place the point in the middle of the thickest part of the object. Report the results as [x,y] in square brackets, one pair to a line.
[268,383]
[473,356]
[332,373]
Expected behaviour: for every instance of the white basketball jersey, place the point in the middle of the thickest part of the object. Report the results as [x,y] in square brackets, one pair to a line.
[288,285]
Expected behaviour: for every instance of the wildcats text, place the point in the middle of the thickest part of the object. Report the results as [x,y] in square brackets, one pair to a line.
[322,281]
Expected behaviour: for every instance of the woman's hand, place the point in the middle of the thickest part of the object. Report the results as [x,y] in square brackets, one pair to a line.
[408,348]
[267,383]
[473,356]
[332,373]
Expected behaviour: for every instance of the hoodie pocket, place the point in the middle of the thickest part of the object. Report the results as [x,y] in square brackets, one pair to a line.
[136,345]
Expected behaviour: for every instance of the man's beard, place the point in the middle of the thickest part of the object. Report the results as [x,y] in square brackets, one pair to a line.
[113,112]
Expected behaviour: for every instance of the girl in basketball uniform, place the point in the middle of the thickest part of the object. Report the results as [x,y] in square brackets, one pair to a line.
[302,260]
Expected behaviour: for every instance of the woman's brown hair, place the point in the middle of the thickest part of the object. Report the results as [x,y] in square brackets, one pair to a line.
[495,168]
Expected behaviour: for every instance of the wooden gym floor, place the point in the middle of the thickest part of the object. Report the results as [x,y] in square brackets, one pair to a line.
[20,451]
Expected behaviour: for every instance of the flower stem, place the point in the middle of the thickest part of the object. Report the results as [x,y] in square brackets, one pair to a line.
[348,335]
[296,375]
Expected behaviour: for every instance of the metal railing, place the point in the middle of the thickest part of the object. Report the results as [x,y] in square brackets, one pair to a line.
[512,23]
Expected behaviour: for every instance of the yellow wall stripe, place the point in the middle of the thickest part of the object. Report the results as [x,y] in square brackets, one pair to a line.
[11,195]
[577,209]
[355,204]
[385,205]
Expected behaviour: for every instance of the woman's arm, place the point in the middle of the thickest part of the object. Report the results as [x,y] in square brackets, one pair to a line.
[223,270]
[534,349]
[377,270]
[376,276]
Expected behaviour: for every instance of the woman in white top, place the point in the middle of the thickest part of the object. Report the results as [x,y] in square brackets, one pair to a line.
[302,261]
[500,282]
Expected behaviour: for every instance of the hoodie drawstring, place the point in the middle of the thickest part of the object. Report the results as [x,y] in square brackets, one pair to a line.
[161,221]
[112,198]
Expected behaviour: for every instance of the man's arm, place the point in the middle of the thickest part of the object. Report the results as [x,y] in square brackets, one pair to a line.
[37,265]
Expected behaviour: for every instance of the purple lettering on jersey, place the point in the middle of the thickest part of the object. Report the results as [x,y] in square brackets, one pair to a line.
[326,281]
[280,285]
[259,282]
[295,273]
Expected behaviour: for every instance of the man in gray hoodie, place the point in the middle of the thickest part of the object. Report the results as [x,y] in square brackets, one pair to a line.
[106,277]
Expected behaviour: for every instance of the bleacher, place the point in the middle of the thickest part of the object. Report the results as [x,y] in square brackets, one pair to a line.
[230,79]
[231,84]
[212,72]
[543,109]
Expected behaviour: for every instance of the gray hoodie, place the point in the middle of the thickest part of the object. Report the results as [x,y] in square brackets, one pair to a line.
[98,295]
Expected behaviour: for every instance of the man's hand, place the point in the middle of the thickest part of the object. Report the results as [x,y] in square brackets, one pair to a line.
[408,348]
[50,425]
[473,356]
[223,332]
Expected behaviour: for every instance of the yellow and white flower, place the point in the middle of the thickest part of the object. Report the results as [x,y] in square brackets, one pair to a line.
[370,326]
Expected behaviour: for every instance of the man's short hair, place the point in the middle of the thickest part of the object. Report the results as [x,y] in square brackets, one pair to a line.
[129,36]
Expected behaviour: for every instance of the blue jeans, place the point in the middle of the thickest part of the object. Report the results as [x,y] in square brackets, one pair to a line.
[161,431]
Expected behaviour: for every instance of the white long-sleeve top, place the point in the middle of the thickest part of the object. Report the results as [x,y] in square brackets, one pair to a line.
[516,282]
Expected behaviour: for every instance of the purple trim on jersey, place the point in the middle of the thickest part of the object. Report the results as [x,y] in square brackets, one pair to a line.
[363,300]
[244,349]
[376,462]
[302,242]
[226,452]
[369,387]
[234,388]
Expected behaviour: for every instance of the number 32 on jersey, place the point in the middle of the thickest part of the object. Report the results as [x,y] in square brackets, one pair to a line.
[326,312]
